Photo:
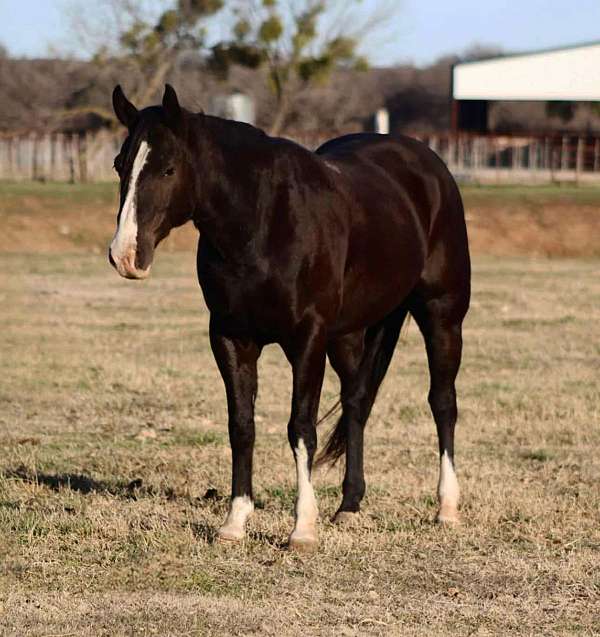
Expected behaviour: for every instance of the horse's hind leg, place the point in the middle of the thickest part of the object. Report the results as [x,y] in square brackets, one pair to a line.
[345,355]
[440,321]
[361,361]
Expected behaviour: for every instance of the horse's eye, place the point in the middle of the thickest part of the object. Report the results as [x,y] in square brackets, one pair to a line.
[169,171]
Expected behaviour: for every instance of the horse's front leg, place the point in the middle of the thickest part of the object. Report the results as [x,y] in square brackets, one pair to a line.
[306,353]
[237,359]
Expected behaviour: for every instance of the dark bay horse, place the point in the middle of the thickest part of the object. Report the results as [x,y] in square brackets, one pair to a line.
[324,253]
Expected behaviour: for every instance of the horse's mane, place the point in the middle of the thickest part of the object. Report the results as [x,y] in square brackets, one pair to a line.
[230,132]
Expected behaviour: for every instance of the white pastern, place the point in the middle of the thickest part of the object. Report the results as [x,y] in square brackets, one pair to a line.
[448,491]
[305,529]
[234,527]
[124,243]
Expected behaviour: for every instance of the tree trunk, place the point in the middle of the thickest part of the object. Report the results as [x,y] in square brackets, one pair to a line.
[280,115]
[155,81]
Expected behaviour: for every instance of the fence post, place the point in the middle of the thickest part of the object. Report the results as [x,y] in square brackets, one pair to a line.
[451,150]
[47,157]
[433,143]
[463,148]
[74,150]
[564,153]
[475,154]
[82,158]
[59,158]
[32,156]
[580,158]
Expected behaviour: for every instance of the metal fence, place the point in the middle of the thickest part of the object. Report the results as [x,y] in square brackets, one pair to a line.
[485,159]
[513,159]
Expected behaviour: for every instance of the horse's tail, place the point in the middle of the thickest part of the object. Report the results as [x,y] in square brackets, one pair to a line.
[380,342]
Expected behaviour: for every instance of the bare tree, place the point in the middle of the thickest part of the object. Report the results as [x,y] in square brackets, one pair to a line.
[299,42]
[145,39]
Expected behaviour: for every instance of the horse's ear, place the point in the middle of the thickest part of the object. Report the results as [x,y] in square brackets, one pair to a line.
[125,111]
[171,108]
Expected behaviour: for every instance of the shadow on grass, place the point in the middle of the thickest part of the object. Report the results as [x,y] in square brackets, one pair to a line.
[204,531]
[269,538]
[209,534]
[81,483]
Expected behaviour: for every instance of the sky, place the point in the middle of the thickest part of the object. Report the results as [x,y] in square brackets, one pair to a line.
[421,32]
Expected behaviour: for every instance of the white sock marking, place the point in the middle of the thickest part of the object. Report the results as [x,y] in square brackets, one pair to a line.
[124,243]
[234,527]
[306,504]
[448,491]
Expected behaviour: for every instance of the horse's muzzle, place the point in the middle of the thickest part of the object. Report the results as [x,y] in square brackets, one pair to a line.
[126,267]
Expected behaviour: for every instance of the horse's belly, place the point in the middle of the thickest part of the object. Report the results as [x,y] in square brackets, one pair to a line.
[361,310]
[377,283]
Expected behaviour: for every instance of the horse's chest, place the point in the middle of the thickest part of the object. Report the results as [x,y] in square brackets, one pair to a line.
[239,297]
[228,287]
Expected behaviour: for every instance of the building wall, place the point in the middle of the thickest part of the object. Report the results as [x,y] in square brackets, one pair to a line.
[570,74]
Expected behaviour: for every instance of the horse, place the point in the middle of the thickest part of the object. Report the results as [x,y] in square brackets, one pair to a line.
[324,253]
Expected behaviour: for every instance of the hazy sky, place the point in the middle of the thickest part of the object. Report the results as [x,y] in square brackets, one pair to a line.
[425,29]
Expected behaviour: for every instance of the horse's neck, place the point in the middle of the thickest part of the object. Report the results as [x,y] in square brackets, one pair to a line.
[228,211]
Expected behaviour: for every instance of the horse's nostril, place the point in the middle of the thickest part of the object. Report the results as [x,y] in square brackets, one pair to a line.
[110,259]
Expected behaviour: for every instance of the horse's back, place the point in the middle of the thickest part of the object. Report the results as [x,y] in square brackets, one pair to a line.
[398,154]
[416,170]
[402,167]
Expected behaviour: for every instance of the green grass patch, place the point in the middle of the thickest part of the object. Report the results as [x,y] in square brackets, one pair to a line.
[538,455]
[53,192]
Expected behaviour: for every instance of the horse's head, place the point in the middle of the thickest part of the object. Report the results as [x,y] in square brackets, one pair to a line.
[156,181]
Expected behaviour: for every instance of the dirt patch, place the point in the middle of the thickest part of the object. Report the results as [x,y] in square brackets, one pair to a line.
[556,230]
[502,221]
[39,227]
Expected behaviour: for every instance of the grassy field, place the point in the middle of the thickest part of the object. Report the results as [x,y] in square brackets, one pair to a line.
[114,468]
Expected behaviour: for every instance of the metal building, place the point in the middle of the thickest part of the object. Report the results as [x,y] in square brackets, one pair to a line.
[568,74]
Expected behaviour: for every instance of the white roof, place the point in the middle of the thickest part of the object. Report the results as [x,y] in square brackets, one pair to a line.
[567,74]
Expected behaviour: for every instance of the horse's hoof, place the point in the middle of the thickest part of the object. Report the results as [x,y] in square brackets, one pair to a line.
[448,517]
[346,518]
[229,536]
[303,544]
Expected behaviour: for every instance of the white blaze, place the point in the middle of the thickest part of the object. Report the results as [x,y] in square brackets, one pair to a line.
[448,491]
[124,243]
[306,504]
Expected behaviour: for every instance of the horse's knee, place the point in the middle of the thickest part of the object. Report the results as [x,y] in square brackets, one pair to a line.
[241,434]
[443,402]
[305,432]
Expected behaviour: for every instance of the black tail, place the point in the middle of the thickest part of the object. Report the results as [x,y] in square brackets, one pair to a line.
[380,342]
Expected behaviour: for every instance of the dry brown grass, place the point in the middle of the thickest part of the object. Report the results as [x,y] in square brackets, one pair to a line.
[113,428]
